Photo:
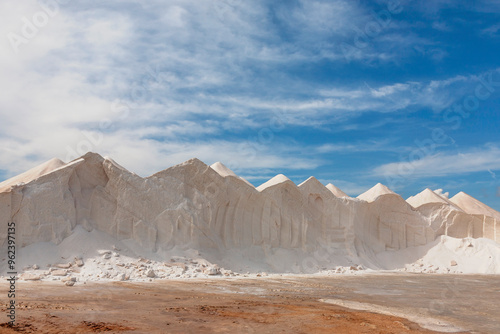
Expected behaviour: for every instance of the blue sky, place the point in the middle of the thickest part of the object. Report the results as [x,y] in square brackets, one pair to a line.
[404,93]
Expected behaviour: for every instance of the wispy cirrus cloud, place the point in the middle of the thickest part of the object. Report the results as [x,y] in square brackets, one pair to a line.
[445,164]
[367,146]
[492,31]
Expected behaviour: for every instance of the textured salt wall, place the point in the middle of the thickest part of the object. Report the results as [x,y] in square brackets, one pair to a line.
[5,216]
[191,205]
[43,210]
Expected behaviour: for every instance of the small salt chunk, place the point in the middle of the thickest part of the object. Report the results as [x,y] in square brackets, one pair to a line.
[68,279]
[121,277]
[103,251]
[30,277]
[212,271]
[59,272]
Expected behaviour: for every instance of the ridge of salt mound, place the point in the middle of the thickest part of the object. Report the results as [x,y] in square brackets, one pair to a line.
[116,164]
[428,196]
[32,174]
[473,206]
[280,178]
[373,193]
[225,171]
[91,156]
[336,191]
[222,169]
[313,186]
[191,163]
[312,182]
[194,162]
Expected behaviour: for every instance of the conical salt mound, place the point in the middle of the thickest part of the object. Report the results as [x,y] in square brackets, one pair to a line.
[313,186]
[280,178]
[32,174]
[336,190]
[472,206]
[428,196]
[188,167]
[311,182]
[224,171]
[378,190]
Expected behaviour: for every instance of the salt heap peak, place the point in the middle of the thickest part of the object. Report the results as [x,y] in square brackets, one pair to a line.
[312,182]
[472,206]
[378,190]
[278,179]
[32,174]
[116,164]
[313,186]
[222,169]
[192,165]
[428,196]
[336,190]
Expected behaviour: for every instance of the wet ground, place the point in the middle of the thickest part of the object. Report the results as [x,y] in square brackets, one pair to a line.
[262,305]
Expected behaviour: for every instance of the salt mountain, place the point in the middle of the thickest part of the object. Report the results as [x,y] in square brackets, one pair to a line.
[279,225]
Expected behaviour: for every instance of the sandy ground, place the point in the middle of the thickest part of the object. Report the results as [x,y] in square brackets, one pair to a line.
[263,305]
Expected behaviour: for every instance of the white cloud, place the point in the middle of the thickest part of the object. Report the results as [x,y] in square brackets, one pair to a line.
[367,146]
[185,71]
[389,90]
[492,31]
[445,164]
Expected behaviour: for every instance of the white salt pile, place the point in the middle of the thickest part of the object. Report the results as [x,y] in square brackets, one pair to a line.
[91,219]
[472,206]
[96,256]
[32,174]
[428,196]
[447,255]
[336,191]
[220,168]
[224,171]
[278,179]
[373,193]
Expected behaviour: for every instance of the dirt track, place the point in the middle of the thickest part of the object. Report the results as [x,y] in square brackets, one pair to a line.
[286,305]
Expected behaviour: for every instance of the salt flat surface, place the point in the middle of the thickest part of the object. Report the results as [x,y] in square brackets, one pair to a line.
[423,319]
